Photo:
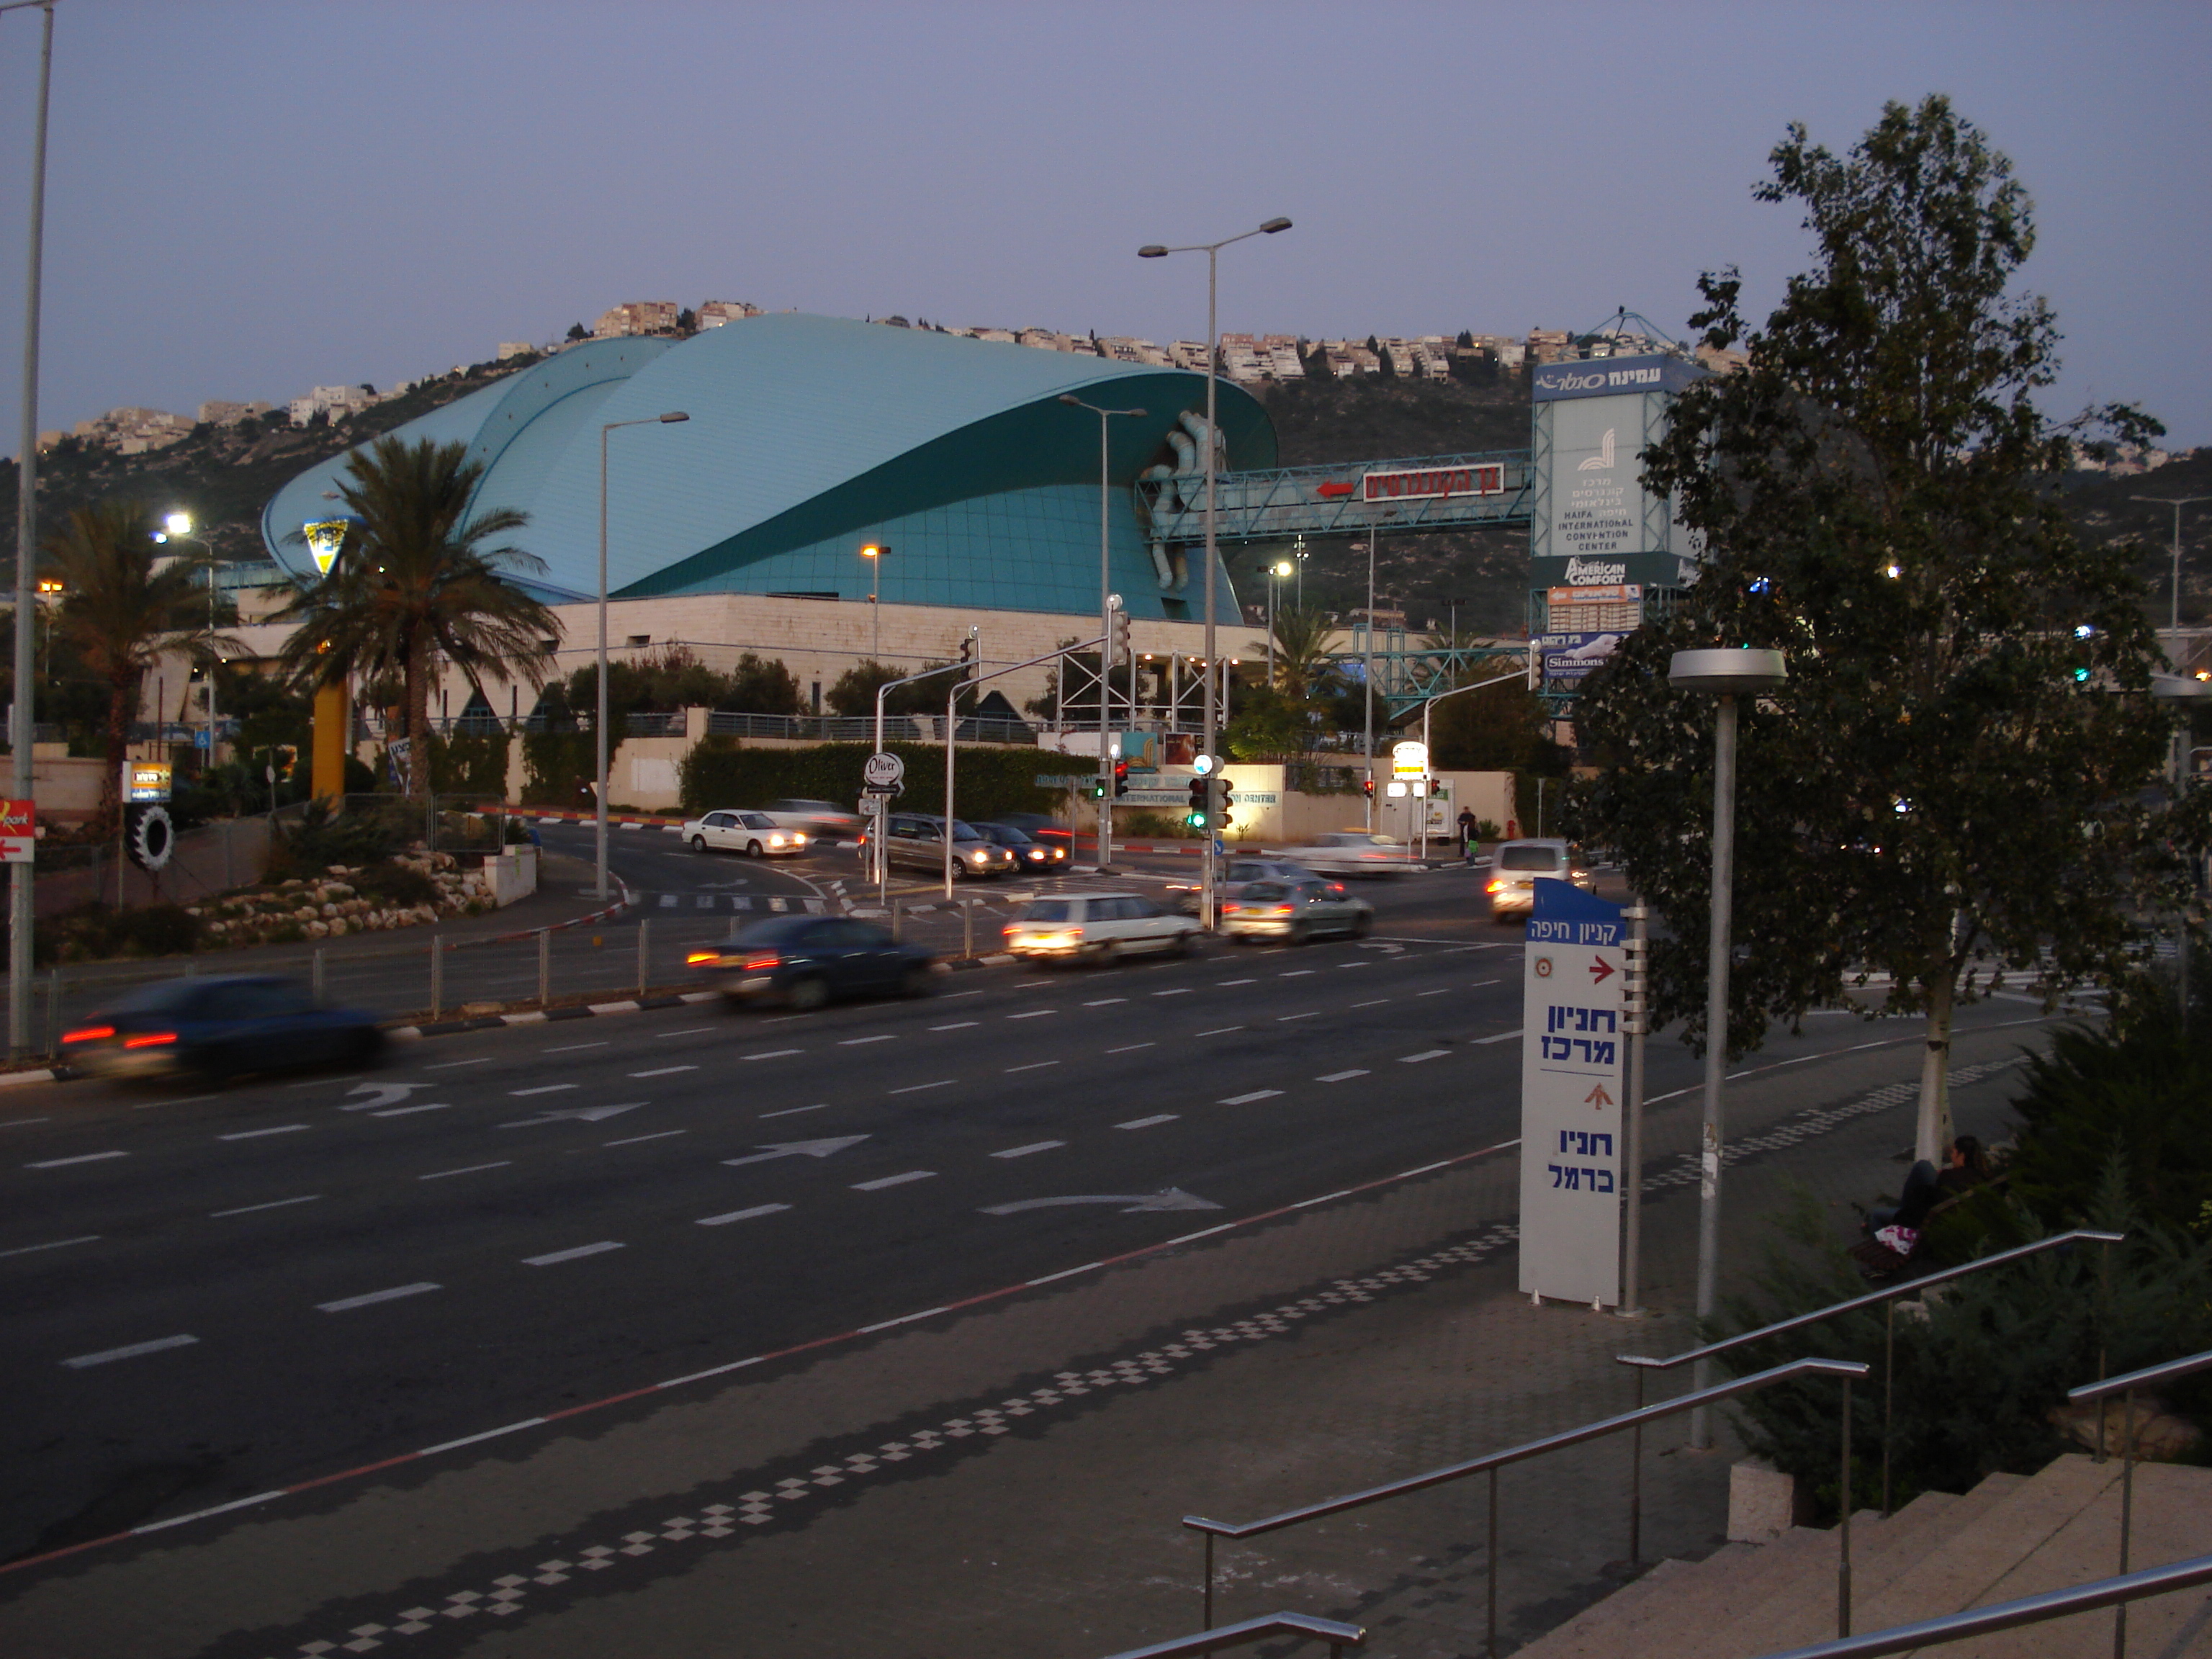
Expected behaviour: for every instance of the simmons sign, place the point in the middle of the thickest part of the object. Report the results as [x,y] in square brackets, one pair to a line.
[1487,479]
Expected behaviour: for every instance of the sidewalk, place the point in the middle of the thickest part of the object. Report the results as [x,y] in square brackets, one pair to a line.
[1009,1477]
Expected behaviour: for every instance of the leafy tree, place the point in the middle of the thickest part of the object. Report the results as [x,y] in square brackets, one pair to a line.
[1268,726]
[415,578]
[578,331]
[1303,669]
[686,321]
[854,690]
[762,685]
[1948,788]
[119,615]
[1500,728]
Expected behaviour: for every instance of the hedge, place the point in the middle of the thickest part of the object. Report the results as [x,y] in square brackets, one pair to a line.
[558,768]
[720,772]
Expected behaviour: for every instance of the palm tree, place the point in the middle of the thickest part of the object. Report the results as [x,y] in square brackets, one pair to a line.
[414,578]
[1303,671]
[122,615]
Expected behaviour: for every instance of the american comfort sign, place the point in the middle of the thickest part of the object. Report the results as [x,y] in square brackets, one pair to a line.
[1573,1062]
[1435,484]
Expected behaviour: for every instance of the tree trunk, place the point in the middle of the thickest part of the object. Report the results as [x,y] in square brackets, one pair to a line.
[120,699]
[1931,1139]
[418,720]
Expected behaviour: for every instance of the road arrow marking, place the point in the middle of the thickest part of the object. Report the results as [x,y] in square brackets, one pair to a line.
[1130,1203]
[1601,971]
[799,1148]
[577,1114]
[381,1094]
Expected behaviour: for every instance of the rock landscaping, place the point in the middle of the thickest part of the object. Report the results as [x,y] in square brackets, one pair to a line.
[346,899]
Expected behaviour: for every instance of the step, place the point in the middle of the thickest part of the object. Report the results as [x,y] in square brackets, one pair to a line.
[1596,1629]
[1714,1593]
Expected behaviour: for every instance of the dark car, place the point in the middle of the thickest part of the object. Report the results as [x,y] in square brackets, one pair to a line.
[803,961]
[1037,827]
[220,1028]
[1037,857]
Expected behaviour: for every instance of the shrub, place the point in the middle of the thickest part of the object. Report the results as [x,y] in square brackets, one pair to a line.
[558,768]
[475,766]
[93,932]
[319,838]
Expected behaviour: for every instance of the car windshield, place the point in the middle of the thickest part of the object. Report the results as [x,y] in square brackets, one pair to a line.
[775,930]
[1528,857]
[175,996]
[964,831]
[1004,833]
[1048,911]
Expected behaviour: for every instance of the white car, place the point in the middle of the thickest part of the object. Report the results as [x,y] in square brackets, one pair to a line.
[1352,852]
[754,834]
[1097,927]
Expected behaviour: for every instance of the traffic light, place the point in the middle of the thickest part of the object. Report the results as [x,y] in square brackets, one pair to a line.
[1367,788]
[1228,800]
[1196,816]
[967,658]
[1117,636]
[1120,779]
[1097,789]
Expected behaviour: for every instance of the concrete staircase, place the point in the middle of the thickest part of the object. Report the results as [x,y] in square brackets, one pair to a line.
[2009,1537]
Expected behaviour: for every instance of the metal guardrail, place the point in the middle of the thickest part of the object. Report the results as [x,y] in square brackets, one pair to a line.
[1888,1297]
[2125,1386]
[2007,1615]
[1491,1462]
[1338,1637]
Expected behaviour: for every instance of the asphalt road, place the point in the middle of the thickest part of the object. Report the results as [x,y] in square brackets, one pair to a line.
[208,1294]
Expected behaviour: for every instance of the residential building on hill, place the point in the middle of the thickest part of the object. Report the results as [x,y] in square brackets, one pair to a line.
[713,314]
[636,317]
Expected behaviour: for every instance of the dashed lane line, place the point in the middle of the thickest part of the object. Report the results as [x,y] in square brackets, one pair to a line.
[552,1258]
[882,1182]
[1148,1123]
[773,1053]
[1034,1065]
[1247,1099]
[571,1047]
[1033,1146]
[1131,1047]
[846,1042]
[956,1025]
[1376,1003]
[1425,1054]
[1217,1031]
[273,1203]
[107,1356]
[1441,991]
[52,1245]
[1311,1013]
[1034,1014]
[470,1169]
[1296,973]
[1503,1036]
[1224,984]
[793,1111]
[632,1141]
[664,1071]
[409,1111]
[346,1304]
[542,1089]
[256,1135]
[451,1064]
[1341,1077]
[740,1215]
[1179,991]
[1105,1002]
[82,1157]
[917,1088]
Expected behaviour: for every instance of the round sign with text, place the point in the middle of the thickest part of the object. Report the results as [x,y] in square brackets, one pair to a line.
[883,771]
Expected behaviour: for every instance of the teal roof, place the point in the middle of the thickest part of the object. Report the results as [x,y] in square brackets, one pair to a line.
[807,437]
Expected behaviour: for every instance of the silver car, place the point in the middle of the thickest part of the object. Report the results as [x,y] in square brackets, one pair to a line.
[1518,865]
[916,841]
[1232,877]
[1354,853]
[1295,911]
[1096,928]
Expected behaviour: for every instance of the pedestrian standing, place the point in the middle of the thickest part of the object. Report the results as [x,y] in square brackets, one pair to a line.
[1467,835]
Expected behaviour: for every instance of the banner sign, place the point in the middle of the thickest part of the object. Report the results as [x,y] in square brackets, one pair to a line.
[1571,656]
[1596,594]
[1639,569]
[145,780]
[19,832]
[1573,1062]
[1610,377]
[1487,479]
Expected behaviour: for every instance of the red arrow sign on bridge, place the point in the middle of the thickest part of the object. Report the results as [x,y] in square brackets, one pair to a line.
[1601,971]
[1329,492]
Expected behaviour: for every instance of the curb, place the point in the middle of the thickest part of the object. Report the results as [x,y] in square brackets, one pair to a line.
[645,1004]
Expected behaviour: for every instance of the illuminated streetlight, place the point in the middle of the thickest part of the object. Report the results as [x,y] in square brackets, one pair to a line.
[873,553]
[1106,607]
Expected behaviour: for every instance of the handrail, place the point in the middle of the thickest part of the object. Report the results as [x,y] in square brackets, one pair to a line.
[2005,1615]
[1491,1462]
[1338,1637]
[1888,1297]
[2125,1386]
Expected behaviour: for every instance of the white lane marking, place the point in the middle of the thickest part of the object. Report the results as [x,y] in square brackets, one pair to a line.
[1295,972]
[1355,965]
[448,1065]
[689,1031]
[1425,1054]
[854,1043]
[571,1047]
[956,1025]
[1034,1065]
[131,1353]
[1441,991]
[1339,1077]
[1147,1122]
[1377,1003]
[322,1083]
[882,1182]
[1179,991]
[1246,1100]
[1476,985]
[1311,1013]
[633,1140]
[664,1071]
[1223,983]
[59,1244]
[553,1257]
[24,1122]
[344,1303]
[409,1111]
[470,1169]
[740,1215]
[793,1111]
[772,1054]
[1502,1036]
[1131,1047]
[82,1157]
[1033,1146]
[274,1204]
[1034,1014]
[1218,1030]
[917,1088]
[542,1089]
[147,1105]
[256,1135]
[1105,1002]
[471,1439]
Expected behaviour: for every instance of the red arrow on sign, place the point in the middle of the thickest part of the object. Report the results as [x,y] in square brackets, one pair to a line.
[1329,492]
[1600,971]
[1597,1097]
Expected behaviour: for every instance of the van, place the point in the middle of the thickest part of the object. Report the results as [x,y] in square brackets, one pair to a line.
[1518,865]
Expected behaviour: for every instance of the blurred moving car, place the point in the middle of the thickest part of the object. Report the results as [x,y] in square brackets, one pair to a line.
[1031,856]
[915,840]
[1294,911]
[220,1028]
[803,962]
[1518,865]
[1037,827]
[1096,928]
[1232,877]
[754,834]
[1352,852]
[820,819]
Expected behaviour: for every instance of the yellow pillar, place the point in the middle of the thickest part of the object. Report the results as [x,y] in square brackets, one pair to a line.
[333,726]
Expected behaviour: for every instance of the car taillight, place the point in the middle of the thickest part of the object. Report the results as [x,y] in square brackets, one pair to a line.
[149,1039]
[89,1034]
[700,959]
[1230,909]
[1280,910]
[762,965]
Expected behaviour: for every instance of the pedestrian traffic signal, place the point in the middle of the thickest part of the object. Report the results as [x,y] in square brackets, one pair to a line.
[1367,788]
[1196,816]
[1120,779]
[1097,789]
[1222,818]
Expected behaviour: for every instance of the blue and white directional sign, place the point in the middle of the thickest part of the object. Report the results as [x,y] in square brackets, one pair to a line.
[1573,1064]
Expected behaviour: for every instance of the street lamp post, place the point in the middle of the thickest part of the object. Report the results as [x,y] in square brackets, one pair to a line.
[599,722]
[1729,674]
[2177,502]
[177,527]
[1212,252]
[873,553]
[1106,606]
[1276,572]
[20,907]
[1367,681]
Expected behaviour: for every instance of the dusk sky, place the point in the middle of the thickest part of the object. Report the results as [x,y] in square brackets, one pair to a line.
[245,200]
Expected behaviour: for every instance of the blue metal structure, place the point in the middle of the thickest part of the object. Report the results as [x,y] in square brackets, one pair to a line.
[1330,500]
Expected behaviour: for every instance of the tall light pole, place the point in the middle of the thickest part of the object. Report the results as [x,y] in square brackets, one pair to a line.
[2177,502]
[20,911]
[1105,631]
[873,553]
[1367,681]
[1212,252]
[1276,572]
[177,527]
[599,723]
[1729,674]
